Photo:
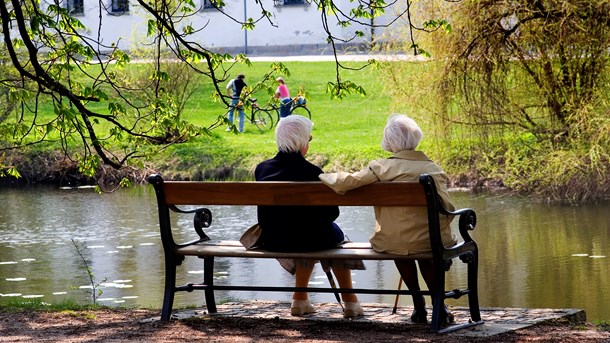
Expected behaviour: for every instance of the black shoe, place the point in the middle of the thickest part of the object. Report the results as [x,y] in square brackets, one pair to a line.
[419,316]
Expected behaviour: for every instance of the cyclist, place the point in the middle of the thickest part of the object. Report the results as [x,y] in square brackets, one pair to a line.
[283,94]
[234,88]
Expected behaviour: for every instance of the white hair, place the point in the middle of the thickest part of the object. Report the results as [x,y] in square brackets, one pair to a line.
[401,133]
[292,133]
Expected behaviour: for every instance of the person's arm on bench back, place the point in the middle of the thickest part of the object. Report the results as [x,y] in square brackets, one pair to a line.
[342,182]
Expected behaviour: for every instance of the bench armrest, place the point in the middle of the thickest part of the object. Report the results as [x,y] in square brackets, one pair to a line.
[467,221]
[202,218]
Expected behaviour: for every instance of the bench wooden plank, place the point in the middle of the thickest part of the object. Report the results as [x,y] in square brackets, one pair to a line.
[351,245]
[235,249]
[291,193]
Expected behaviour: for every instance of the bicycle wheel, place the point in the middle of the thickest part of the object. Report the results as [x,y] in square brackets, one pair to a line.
[263,120]
[301,110]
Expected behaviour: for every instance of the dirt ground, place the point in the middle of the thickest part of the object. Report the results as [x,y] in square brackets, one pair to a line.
[120,325]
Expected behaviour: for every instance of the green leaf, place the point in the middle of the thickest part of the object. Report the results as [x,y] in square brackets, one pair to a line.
[17,43]
[161,76]
[152,28]
[249,24]
[125,183]
[121,58]
[12,171]
[34,25]
[188,30]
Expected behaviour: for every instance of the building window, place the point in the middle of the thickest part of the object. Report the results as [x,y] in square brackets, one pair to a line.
[209,4]
[75,7]
[120,6]
[289,2]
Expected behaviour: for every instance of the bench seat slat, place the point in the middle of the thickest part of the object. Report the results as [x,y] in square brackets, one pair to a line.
[235,249]
[353,245]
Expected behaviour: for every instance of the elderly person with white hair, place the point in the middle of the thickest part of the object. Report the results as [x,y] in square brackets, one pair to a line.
[302,228]
[402,230]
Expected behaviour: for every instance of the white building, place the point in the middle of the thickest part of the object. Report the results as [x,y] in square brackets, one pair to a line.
[295,26]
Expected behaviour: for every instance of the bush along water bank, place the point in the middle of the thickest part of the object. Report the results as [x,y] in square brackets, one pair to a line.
[549,174]
[558,177]
[53,168]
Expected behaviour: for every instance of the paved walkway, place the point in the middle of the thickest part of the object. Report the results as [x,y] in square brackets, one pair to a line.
[341,57]
[497,320]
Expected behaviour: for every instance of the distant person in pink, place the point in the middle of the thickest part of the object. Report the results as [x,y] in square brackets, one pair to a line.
[283,94]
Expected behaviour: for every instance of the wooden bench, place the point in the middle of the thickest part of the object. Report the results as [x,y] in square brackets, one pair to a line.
[171,194]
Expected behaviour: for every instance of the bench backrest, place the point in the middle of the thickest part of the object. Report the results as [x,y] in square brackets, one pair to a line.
[290,193]
[171,194]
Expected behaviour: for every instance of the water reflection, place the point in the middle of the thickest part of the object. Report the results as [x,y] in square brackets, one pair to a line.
[532,255]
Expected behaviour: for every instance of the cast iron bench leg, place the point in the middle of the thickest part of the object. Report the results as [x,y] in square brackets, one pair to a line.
[170,289]
[208,280]
[473,296]
[438,297]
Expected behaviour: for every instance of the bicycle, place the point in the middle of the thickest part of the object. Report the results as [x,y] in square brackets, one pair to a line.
[259,118]
[298,105]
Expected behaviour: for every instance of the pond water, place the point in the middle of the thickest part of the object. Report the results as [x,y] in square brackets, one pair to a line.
[531,255]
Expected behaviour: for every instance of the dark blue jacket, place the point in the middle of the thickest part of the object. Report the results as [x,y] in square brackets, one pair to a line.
[295,228]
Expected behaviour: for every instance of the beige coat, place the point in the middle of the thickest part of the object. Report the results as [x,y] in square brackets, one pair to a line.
[399,230]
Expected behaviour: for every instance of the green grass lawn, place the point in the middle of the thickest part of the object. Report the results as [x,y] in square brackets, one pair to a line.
[347,132]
